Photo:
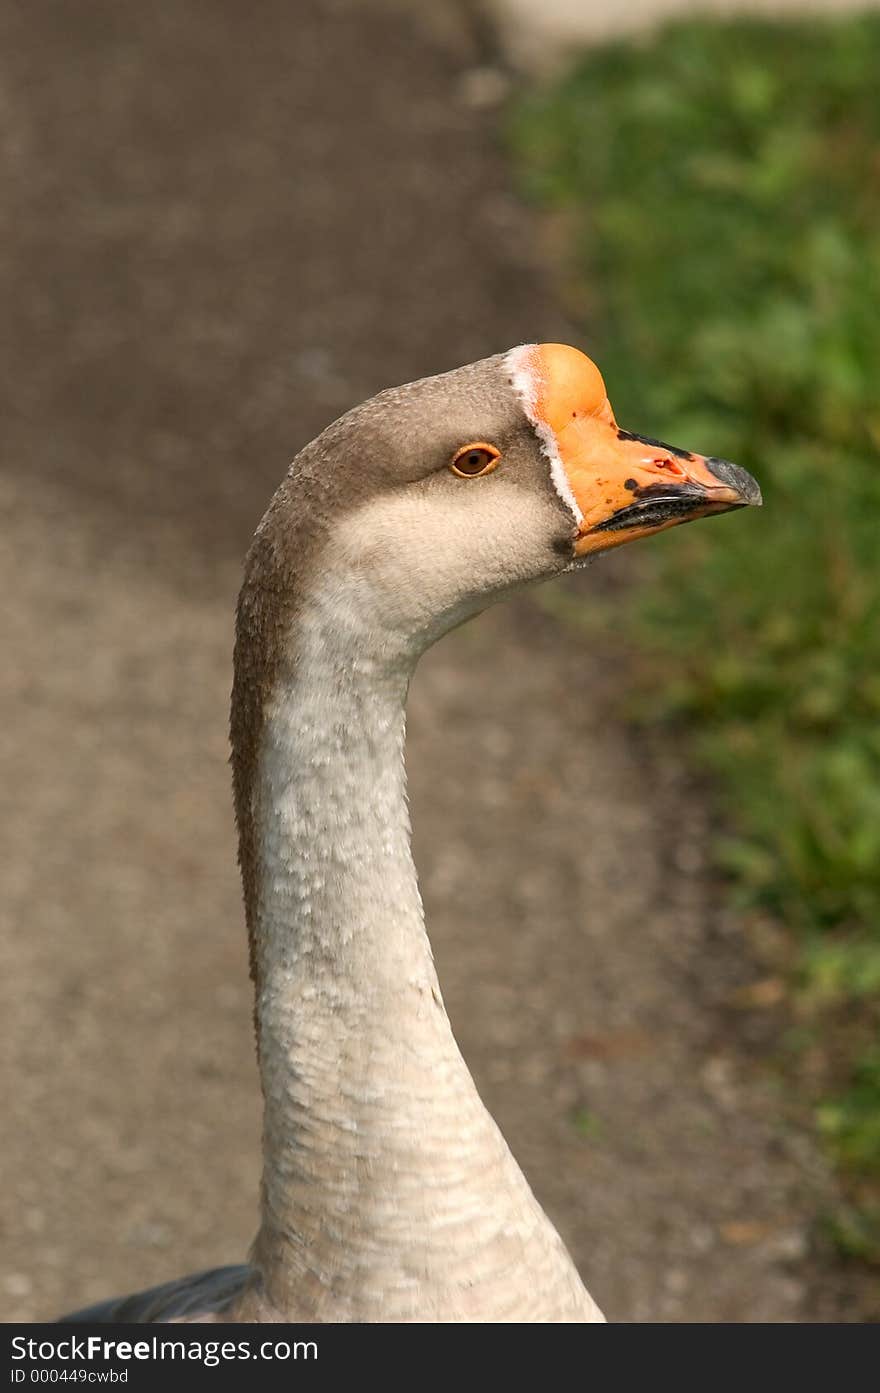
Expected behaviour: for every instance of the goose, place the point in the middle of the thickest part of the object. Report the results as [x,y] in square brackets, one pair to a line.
[388,1192]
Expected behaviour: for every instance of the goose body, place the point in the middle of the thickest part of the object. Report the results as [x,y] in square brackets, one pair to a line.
[388,1191]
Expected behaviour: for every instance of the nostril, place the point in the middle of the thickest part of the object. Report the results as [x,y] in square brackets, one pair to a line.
[669,466]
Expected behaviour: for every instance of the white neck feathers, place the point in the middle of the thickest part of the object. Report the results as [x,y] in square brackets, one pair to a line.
[388,1192]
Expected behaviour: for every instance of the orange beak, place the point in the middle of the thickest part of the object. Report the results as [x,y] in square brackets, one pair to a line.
[624,486]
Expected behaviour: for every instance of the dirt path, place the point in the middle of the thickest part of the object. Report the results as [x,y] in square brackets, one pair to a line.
[220,235]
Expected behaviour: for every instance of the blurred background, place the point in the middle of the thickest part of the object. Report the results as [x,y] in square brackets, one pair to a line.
[647,804]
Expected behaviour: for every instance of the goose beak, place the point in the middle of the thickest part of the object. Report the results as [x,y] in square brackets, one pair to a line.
[635,486]
[623,486]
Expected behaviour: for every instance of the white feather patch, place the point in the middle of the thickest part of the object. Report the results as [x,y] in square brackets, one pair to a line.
[523,371]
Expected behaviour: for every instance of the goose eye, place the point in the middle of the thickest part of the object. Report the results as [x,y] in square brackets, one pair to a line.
[473,460]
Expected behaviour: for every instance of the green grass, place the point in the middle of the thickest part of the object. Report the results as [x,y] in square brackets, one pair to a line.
[719,192]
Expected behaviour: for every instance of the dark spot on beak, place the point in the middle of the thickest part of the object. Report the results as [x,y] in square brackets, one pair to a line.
[655,444]
[630,484]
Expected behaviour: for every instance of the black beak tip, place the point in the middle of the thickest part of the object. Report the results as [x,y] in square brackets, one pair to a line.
[736,478]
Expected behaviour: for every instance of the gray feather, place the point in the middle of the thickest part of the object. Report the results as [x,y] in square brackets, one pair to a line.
[203,1293]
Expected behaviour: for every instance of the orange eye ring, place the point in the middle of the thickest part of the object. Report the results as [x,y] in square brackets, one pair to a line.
[474,460]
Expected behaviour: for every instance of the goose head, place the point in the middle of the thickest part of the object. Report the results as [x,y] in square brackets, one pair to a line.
[436,498]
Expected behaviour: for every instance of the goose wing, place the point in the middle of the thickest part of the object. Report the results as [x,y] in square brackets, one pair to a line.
[190,1298]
